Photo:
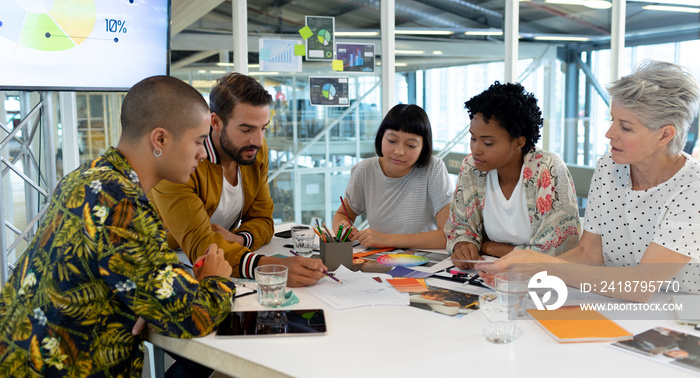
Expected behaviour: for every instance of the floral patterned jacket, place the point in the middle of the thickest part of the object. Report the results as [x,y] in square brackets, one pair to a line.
[99,261]
[551,205]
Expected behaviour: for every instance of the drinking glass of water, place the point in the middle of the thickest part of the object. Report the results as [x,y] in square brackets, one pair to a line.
[499,312]
[271,281]
[303,239]
[514,283]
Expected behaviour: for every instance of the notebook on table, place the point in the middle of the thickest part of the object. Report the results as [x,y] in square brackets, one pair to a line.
[571,325]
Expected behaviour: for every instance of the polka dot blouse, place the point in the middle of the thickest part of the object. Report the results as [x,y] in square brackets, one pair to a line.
[629,220]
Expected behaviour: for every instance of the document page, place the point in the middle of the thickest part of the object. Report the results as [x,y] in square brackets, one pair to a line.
[357,290]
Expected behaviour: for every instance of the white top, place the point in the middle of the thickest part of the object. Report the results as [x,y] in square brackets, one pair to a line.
[506,220]
[228,211]
[628,220]
[403,205]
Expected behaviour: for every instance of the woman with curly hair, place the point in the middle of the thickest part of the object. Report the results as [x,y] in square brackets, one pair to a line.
[642,225]
[509,195]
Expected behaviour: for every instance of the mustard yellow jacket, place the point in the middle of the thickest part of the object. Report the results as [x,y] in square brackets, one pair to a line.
[185,210]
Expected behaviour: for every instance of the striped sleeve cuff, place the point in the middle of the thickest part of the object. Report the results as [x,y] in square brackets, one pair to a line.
[249,261]
[247,237]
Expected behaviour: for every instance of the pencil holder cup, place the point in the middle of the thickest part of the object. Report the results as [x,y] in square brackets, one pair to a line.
[334,255]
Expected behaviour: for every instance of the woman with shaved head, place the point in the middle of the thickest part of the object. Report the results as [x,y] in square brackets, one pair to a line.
[99,261]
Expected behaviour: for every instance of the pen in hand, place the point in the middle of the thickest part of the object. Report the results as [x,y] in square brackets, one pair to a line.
[199,263]
[324,271]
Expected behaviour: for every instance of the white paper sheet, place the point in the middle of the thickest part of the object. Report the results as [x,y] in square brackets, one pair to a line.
[357,290]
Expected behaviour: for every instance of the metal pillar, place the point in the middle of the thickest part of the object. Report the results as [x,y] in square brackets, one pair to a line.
[512,15]
[571,107]
[388,27]
[240,36]
[617,38]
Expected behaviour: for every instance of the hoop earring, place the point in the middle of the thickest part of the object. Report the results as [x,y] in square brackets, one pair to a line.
[160,152]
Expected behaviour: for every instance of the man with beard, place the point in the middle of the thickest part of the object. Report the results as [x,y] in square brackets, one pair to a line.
[227,199]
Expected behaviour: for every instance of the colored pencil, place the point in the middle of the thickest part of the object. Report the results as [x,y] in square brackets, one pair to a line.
[346,210]
[330,236]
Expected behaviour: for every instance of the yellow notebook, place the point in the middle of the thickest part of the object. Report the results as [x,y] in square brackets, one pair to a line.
[571,325]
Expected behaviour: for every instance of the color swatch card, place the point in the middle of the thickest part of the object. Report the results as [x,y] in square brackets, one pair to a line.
[401,271]
[408,285]
[400,259]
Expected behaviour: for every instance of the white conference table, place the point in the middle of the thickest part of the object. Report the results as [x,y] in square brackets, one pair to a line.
[388,341]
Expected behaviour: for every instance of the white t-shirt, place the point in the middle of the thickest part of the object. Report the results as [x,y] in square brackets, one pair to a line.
[506,220]
[629,220]
[228,211]
[402,205]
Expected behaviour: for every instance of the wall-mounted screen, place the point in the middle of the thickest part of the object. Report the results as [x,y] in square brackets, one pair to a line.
[356,57]
[82,44]
[328,91]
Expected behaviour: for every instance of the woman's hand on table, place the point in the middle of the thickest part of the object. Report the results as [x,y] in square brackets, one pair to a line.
[528,260]
[465,251]
[370,238]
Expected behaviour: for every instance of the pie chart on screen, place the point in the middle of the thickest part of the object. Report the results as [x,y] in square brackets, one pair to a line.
[328,91]
[324,36]
[48,25]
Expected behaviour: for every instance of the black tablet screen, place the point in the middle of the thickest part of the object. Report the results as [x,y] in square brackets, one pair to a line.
[275,322]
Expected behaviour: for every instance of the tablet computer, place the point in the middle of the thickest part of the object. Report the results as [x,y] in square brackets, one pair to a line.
[273,323]
[287,234]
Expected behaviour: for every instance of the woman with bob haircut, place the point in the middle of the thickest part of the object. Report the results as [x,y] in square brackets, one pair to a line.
[509,195]
[405,191]
[642,222]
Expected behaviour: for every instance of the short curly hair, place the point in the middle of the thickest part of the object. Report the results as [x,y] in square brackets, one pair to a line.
[514,108]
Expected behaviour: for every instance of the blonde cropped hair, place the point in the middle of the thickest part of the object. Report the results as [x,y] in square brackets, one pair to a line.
[660,94]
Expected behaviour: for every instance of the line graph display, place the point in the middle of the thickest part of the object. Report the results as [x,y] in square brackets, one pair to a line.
[356,57]
[328,91]
[82,44]
[321,45]
[278,55]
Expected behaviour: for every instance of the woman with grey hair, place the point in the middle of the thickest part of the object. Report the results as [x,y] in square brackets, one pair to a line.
[642,225]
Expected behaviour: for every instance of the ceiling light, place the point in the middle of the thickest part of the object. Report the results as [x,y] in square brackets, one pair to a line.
[270,73]
[671,8]
[400,64]
[202,71]
[217,72]
[409,52]
[560,38]
[437,52]
[484,32]
[356,33]
[224,64]
[424,32]
[594,4]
